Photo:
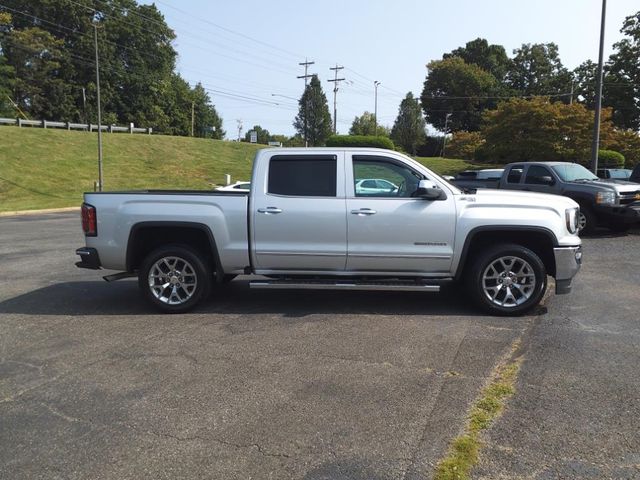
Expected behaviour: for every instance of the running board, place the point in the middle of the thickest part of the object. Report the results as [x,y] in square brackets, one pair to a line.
[343,285]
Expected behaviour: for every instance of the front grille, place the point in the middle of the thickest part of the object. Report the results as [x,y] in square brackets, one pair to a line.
[629,197]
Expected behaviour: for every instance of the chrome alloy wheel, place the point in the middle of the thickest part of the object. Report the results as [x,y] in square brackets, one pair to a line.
[172,280]
[508,281]
[582,221]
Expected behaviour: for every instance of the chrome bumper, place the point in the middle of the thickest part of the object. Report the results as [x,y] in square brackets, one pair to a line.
[568,261]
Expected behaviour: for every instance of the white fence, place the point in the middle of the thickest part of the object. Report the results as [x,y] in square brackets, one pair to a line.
[73,126]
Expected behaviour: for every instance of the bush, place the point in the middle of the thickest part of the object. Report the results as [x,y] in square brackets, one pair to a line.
[360,141]
[627,142]
[610,159]
[464,145]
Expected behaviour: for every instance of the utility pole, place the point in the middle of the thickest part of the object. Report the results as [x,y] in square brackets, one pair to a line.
[336,81]
[95,41]
[239,129]
[376,83]
[571,97]
[192,116]
[596,121]
[305,64]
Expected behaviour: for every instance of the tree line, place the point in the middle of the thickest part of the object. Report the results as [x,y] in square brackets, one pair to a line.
[47,67]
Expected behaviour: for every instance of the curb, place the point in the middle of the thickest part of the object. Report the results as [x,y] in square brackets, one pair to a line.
[18,213]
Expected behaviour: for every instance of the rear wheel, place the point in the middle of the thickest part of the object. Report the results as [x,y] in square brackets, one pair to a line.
[174,279]
[507,279]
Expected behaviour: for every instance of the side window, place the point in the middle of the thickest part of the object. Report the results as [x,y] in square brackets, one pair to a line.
[535,174]
[515,174]
[383,177]
[303,175]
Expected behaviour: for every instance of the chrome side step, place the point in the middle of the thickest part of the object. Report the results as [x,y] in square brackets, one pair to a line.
[343,285]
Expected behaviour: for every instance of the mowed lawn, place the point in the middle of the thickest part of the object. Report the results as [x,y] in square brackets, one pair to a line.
[52,168]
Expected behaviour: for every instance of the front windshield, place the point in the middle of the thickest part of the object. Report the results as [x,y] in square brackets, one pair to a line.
[573,172]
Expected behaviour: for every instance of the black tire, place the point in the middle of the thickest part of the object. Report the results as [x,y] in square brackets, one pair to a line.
[590,221]
[532,280]
[189,268]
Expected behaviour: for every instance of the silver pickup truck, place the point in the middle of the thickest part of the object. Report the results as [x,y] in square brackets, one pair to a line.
[307,224]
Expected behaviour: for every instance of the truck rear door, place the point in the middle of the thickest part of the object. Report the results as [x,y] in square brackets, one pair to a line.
[298,212]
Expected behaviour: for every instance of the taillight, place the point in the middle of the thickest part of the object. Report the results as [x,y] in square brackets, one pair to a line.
[89,222]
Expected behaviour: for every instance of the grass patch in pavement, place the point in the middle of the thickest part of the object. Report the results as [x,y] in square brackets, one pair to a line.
[465,449]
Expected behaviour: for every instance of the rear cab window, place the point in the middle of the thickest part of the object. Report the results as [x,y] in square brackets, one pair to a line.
[515,174]
[303,175]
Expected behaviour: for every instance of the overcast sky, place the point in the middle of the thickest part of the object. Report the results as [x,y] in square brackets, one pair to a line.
[246,51]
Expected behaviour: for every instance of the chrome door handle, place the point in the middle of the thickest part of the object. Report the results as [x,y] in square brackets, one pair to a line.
[270,210]
[363,212]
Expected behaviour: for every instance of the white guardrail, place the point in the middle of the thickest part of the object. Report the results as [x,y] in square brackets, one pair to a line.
[20,122]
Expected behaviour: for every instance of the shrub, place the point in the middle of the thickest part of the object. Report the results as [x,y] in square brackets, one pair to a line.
[360,141]
[627,142]
[464,145]
[610,159]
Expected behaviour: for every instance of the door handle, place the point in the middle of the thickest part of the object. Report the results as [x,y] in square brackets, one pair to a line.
[270,210]
[363,212]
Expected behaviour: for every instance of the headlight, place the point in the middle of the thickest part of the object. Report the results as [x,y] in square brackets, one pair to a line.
[606,198]
[571,215]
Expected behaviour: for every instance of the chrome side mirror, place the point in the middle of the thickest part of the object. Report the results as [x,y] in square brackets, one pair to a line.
[429,191]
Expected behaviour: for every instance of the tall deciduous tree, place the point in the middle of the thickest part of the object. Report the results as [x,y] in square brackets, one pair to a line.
[263,135]
[409,128]
[491,58]
[365,124]
[460,89]
[313,116]
[623,82]
[536,69]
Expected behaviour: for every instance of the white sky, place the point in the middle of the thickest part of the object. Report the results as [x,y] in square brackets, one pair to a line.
[389,41]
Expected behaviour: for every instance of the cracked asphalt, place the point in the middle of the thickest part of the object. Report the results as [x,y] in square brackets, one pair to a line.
[261,384]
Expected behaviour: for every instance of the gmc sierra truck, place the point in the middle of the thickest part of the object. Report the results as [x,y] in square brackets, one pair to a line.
[304,225]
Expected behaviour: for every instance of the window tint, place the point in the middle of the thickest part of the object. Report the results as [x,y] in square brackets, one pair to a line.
[535,174]
[515,174]
[303,176]
[383,177]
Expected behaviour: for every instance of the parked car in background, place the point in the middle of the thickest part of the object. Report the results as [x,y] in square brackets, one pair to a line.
[614,173]
[635,174]
[373,186]
[485,178]
[243,187]
[611,203]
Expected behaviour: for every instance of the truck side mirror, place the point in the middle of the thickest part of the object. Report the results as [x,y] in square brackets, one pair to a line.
[428,191]
[547,180]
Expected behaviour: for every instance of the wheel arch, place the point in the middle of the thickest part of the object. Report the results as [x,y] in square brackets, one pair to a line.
[540,240]
[144,237]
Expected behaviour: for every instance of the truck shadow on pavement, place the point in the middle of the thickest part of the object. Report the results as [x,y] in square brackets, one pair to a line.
[124,298]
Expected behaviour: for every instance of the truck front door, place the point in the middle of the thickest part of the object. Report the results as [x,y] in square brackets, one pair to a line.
[391,230]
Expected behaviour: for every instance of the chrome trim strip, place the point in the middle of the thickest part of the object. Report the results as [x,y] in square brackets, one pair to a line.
[342,286]
[374,255]
[303,254]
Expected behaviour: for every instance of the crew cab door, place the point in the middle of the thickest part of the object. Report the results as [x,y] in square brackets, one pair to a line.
[393,231]
[298,214]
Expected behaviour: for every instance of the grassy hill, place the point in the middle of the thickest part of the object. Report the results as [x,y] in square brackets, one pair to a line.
[52,168]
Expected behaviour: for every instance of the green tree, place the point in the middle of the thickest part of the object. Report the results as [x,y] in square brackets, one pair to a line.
[263,134]
[460,89]
[409,128]
[536,69]
[365,124]
[313,116]
[464,145]
[491,58]
[207,121]
[539,129]
[622,87]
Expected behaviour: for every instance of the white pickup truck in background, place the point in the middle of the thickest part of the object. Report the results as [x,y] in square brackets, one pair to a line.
[305,225]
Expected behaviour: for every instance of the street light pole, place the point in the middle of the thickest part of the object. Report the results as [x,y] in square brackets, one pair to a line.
[376,83]
[595,145]
[444,139]
[95,41]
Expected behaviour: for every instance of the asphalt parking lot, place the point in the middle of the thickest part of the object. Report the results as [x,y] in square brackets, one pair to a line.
[314,385]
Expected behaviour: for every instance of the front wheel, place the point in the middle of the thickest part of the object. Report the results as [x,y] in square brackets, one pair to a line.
[174,278]
[586,221]
[507,279]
